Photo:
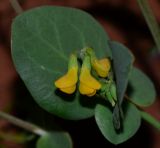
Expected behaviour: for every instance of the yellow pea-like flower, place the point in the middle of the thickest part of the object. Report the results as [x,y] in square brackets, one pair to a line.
[68,80]
[85,90]
[67,83]
[88,84]
[102,66]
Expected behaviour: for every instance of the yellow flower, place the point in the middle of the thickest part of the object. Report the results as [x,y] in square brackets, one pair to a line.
[102,66]
[67,83]
[88,84]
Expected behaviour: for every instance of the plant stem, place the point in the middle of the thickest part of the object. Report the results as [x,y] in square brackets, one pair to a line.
[16,6]
[23,124]
[151,21]
[150,119]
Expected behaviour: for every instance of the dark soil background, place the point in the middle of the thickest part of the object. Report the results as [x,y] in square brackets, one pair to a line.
[123,22]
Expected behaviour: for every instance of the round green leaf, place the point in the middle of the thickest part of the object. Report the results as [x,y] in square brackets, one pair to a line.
[54,140]
[42,40]
[131,123]
[141,89]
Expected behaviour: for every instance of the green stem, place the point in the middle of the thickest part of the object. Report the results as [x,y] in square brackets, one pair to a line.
[150,119]
[151,21]
[16,6]
[23,124]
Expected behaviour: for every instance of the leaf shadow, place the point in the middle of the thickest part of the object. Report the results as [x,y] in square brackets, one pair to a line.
[91,102]
[85,101]
[130,89]
[64,96]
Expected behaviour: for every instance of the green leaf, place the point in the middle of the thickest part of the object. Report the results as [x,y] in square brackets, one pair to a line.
[54,140]
[141,89]
[122,64]
[42,40]
[131,123]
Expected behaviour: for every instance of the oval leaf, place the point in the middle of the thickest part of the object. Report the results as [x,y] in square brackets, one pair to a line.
[141,89]
[54,140]
[122,64]
[42,40]
[103,116]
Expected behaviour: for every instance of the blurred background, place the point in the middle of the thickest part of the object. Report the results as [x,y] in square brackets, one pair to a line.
[123,22]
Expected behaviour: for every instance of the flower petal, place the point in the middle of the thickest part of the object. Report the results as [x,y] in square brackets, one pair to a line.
[102,67]
[85,90]
[69,90]
[92,94]
[68,79]
[88,80]
[105,63]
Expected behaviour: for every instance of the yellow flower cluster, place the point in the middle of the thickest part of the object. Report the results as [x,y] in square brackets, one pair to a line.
[88,84]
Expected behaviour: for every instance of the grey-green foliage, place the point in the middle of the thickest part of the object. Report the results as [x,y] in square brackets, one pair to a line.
[141,89]
[131,123]
[42,40]
[122,65]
